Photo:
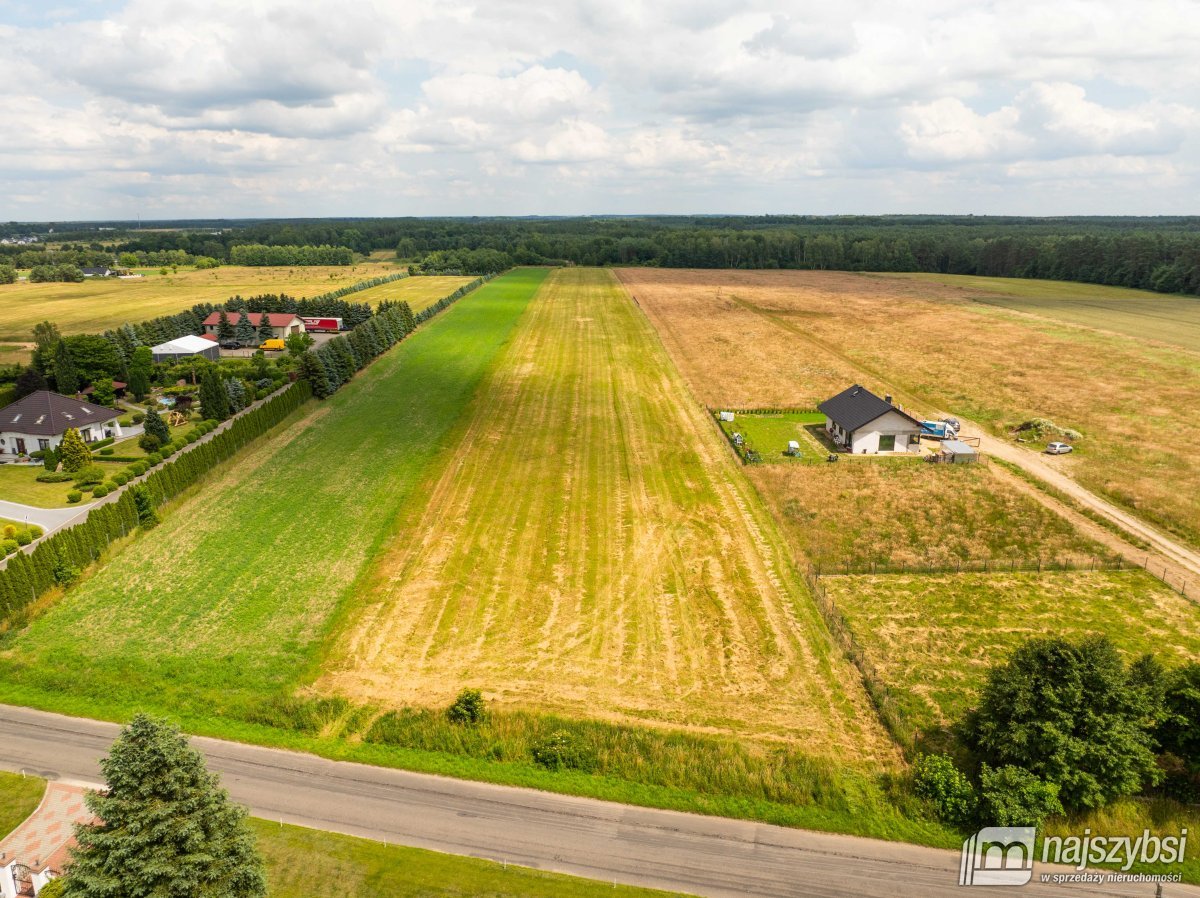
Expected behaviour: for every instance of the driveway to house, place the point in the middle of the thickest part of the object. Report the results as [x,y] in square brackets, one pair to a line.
[581,836]
[49,519]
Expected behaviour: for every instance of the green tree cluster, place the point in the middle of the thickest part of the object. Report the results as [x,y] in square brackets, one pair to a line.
[166,827]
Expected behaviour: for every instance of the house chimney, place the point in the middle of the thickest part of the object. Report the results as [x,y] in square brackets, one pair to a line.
[888,398]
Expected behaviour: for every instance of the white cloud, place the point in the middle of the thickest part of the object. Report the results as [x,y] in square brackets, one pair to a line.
[244,107]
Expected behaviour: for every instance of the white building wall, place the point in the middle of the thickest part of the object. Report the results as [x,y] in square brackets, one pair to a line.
[866,439]
[8,438]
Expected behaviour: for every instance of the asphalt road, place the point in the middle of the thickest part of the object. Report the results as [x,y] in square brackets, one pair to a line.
[601,840]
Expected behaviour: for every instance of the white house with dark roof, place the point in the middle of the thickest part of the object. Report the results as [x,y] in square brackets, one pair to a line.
[40,419]
[860,422]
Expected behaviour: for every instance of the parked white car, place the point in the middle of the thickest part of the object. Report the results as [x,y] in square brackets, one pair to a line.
[1059,448]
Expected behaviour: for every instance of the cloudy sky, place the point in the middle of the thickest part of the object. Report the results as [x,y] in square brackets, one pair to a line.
[179,108]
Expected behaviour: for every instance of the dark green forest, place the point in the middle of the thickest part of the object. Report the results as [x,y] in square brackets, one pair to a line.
[1161,254]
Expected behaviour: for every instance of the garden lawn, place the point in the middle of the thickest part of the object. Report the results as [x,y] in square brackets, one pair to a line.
[932,638]
[769,434]
[19,796]
[18,483]
[229,600]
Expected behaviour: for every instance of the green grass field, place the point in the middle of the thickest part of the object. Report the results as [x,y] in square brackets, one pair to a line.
[97,304]
[229,601]
[933,638]
[306,863]
[1141,314]
[769,434]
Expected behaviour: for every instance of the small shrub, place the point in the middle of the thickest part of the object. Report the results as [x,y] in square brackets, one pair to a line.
[945,787]
[192,435]
[23,537]
[153,459]
[139,468]
[89,475]
[1012,796]
[127,421]
[100,491]
[563,750]
[108,451]
[55,477]
[468,708]
[74,496]
[36,532]
[149,442]
[139,417]
[10,531]
[120,478]
[9,546]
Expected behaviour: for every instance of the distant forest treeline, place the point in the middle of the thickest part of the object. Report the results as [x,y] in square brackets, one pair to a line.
[1160,254]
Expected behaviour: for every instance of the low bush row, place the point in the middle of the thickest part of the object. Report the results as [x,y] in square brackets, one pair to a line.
[58,559]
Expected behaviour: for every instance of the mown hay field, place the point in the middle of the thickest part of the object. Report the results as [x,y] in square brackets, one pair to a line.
[1168,318]
[97,304]
[418,292]
[228,602]
[591,548]
[904,512]
[932,638]
[794,338]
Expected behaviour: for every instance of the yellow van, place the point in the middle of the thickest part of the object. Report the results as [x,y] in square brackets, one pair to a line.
[272,346]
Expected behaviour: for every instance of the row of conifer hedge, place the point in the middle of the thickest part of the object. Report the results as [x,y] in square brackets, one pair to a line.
[58,558]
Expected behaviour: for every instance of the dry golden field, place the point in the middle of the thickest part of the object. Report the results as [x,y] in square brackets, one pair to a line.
[98,304]
[931,639]
[590,547]
[907,513]
[418,292]
[755,338]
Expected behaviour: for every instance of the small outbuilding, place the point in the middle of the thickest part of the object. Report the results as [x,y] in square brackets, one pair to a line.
[860,422]
[185,347]
[282,324]
[956,452]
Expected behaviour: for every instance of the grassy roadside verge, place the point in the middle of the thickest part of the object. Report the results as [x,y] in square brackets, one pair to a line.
[309,863]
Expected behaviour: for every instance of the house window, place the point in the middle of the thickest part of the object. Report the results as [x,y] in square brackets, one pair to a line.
[43,444]
[887,442]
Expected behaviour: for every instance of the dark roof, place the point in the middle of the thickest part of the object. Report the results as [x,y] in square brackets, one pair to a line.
[852,408]
[48,414]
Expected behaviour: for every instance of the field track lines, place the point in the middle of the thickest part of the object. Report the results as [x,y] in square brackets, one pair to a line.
[588,547]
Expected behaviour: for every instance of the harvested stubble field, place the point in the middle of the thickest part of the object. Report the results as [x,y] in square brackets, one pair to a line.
[229,601]
[794,338]
[932,638]
[907,513]
[1169,318]
[97,304]
[418,292]
[591,548]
